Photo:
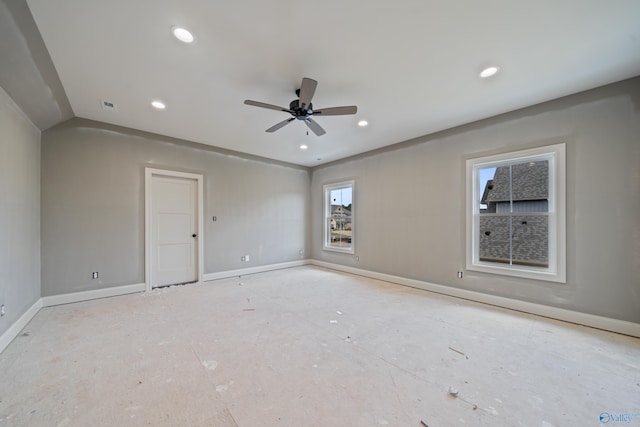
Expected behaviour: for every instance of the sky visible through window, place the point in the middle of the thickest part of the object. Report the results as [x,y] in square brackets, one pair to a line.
[341,196]
[485,175]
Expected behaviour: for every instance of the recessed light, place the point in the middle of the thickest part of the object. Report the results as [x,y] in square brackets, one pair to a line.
[182,34]
[158,105]
[304,146]
[363,123]
[488,72]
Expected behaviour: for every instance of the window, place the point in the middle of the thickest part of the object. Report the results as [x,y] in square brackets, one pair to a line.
[516,214]
[338,217]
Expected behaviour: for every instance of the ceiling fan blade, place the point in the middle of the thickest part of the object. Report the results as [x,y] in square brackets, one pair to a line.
[336,111]
[307,90]
[265,105]
[315,127]
[280,125]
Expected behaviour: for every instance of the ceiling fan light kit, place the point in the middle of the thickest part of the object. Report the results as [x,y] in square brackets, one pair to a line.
[302,108]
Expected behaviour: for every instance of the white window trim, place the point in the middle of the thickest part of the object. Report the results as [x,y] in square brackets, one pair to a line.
[556,272]
[326,207]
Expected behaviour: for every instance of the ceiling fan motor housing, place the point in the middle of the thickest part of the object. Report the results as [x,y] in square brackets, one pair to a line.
[300,113]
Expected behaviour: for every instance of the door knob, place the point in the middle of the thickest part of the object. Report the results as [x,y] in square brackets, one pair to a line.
[194,235]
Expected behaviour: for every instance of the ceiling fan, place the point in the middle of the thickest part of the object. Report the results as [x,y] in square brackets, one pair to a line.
[302,108]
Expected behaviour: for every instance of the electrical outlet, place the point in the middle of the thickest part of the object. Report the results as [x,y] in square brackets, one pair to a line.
[247,258]
[2,310]
[459,274]
[242,259]
[94,275]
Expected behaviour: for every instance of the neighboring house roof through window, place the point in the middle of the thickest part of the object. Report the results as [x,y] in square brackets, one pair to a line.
[530,181]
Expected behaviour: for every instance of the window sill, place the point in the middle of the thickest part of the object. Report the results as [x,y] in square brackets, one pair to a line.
[339,250]
[516,271]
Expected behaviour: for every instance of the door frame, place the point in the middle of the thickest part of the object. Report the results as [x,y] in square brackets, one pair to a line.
[149,173]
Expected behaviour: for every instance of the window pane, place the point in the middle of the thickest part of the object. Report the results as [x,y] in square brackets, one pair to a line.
[530,240]
[530,182]
[494,238]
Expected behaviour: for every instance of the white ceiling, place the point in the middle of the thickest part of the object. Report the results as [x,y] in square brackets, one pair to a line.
[411,66]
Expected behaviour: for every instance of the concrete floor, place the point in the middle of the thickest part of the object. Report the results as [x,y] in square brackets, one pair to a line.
[311,347]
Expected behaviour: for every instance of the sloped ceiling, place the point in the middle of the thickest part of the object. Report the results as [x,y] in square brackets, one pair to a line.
[26,71]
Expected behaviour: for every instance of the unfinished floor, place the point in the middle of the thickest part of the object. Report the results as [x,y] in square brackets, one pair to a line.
[311,347]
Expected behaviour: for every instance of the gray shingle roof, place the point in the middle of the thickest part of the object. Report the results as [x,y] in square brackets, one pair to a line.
[530,182]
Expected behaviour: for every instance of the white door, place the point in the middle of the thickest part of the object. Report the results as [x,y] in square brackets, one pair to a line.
[174,226]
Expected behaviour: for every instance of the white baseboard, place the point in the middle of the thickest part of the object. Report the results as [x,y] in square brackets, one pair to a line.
[252,270]
[93,294]
[18,325]
[585,319]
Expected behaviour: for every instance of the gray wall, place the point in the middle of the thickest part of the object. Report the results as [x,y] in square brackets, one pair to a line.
[19,212]
[409,202]
[93,205]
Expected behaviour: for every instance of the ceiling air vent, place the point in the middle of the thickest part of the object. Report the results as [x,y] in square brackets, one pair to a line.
[108,106]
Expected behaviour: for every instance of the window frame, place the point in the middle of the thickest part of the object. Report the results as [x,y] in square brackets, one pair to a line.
[327,189]
[556,271]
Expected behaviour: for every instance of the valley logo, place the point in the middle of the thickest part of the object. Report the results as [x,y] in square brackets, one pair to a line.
[607,417]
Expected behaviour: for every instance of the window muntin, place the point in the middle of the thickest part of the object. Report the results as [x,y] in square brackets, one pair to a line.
[338,217]
[515,214]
